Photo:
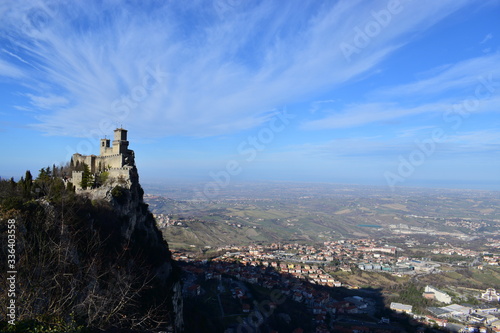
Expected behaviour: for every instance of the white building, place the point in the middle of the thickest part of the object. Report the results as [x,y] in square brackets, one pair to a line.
[438,294]
[457,310]
[491,295]
[399,307]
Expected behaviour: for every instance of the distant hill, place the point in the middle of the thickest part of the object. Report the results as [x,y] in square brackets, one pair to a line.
[320,212]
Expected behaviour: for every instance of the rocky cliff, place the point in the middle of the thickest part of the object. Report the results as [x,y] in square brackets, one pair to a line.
[93,258]
[136,227]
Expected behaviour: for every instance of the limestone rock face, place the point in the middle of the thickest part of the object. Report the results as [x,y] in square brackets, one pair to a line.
[138,228]
[126,198]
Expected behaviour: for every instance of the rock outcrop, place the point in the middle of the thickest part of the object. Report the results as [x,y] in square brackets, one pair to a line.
[137,228]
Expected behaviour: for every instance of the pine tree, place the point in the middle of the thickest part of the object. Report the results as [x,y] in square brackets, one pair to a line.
[87,178]
[26,184]
[28,177]
[44,175]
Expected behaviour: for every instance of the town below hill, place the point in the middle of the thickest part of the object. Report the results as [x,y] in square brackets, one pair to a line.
[346,258]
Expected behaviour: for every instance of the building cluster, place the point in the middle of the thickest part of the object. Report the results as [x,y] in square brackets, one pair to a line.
[452,250]
[296,282]
[405,229]
[492,242]
[365,254]
[254,259]
[487,316]
[487,258]
[481,318]
[297,270]
[471,224]
[350,251]
[342,251]
[389,268]
[427,319]
[491,259]
[467,224]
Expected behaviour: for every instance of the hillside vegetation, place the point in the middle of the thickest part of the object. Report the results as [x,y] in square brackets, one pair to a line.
[76,272]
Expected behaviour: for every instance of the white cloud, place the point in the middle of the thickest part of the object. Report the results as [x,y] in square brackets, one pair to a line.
[225,66]
[413,132]
[362,114]
[48,102]
[10,71]
[486,38]
[468,87]
[318,105]
[459,77]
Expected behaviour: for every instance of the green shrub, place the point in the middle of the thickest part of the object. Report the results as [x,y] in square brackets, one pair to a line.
[119,194]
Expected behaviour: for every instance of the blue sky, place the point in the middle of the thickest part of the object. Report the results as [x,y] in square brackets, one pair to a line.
[393,93]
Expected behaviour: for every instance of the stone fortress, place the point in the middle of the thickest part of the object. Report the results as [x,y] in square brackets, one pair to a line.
[117,160]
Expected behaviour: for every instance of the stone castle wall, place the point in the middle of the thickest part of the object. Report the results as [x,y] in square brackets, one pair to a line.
[124,174]
[118,160]
[100,163]
[77,178]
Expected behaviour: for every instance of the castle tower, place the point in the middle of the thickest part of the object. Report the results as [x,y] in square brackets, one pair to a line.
[120,143]
[105,147]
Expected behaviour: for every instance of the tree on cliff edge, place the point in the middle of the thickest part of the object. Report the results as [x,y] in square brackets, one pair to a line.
[87,178]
